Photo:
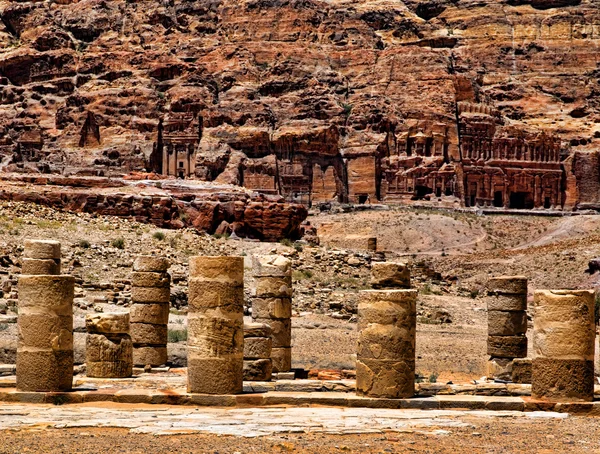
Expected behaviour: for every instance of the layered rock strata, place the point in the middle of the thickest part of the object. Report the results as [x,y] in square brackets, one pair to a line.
[258,344]
[108,348]
[149,313]
[45,327]
[507,324]
[215,325]
[563,345]
[387,321]
[272,305]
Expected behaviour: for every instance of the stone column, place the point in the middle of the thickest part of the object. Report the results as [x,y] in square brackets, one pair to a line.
[563,345]
[507,324]
[258,344]
[149,314]
[41,257]
[387,320]
[108,347]
[45,326]
[215,325]
[273,305]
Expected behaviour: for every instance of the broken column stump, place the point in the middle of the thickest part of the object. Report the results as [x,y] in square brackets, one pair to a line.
[563,345]
[215,325]
[272,305]
[507,324]
[109,350]
[41,257]
[258,344]
[387,320]
[149,313]
[45,325]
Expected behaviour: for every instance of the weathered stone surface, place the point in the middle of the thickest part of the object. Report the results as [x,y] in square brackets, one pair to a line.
[507,346]
[282,331]
[562,379]
[39,266]
[144,355]
[154,313]
[150,294]
[229,270]
[41,249]
[44,370]
[107,349]
[118,369]
[500,368]
[282,359]
[206,294]
[150,279]
[107,323]
[501,323]
[53,293]
[148,263]
[268,308]
[392,379]
[500,302]
[146,333]
[521,370]
[214,335]
[507,285]
[214,375]
[387,306]
[257,330]
[271,266]
[45,331]
[274,287]
[258,370]
[390,275]
[257,347]
[387,342]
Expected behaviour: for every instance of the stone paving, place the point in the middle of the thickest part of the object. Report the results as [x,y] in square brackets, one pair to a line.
[251,422]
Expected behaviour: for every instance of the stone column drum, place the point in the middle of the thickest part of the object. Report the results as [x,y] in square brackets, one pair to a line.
[149,313]
[109,350]
[258,344]
[215,325]
[45,327]
[507,324]
[272,305]
[563,345]
[41,257]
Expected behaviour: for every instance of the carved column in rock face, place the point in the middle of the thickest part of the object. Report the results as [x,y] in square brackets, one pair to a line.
[215,325]
[149,313]
[41,257]
[563,345]
[258,344]
[45,325]
[387,321]
[507,324]
[273,305]
[109,350]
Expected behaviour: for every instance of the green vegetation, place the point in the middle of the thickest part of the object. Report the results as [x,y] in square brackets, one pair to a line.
[158,235]
[179,335]
[119,243]
[84,244]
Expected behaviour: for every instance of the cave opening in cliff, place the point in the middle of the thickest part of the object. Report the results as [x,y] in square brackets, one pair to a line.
[422,191]
[521,200]
[498,199]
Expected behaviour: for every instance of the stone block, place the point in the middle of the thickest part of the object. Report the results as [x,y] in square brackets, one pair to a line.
[52,293]
[118,369]
[114,349]
[282,331]
[258,370]
[282,359]
[521,370]
[206,294]
[501,323]
[150,294]
[41,249]
[274,287]
[221,268]
[562,379]
[383,306]
[216,336]
[149,279]
[390,275]
[40,266]
[257,347]
[499,368]
[269,308]
[39,370]
[507,302]
[107,323]
[271,266]
[385,379]
[372,244]
[146,333]
[45,331]
[386,342]
[148,355]
[257,330]
[214,375]
[507,346]
[507,285]
[148,263]
[154,313]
